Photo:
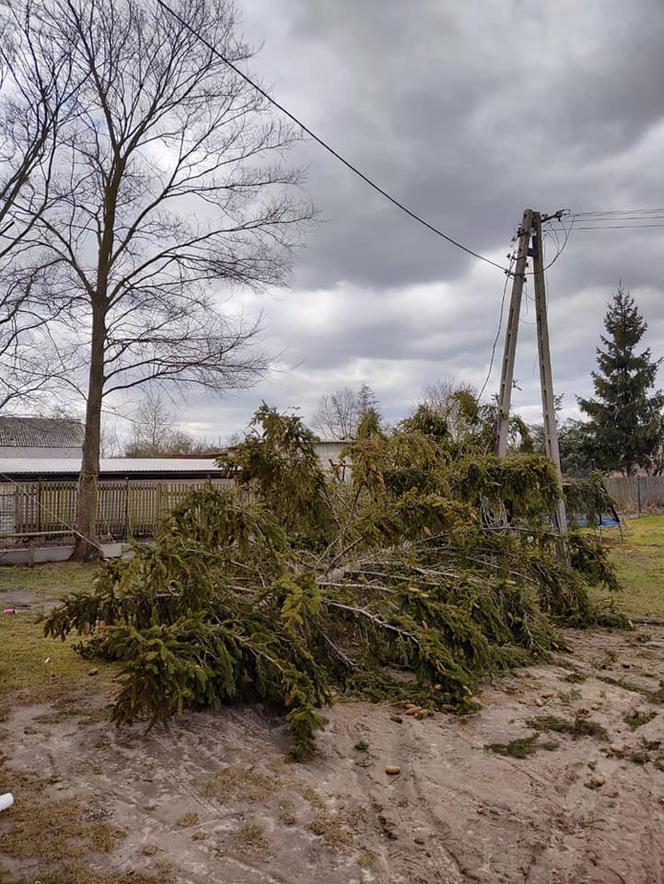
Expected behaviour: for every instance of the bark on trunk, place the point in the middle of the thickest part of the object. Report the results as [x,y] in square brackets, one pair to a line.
[86,548]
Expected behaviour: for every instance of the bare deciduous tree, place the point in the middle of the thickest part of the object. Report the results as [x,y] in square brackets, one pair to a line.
[450,399]
[155,432]
[152,426]
[35,93]
[339,413]
[169,182]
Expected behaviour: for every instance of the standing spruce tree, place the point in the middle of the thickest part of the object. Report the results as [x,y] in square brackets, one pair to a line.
[624,425]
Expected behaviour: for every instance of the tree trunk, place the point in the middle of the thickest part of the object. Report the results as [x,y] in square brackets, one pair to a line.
[86,548]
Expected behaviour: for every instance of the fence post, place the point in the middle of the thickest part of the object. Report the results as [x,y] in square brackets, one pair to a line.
[638,494]
[126,509]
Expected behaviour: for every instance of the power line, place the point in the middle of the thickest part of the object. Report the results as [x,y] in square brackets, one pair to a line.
[619,212]
[617,226]
[561,248]
[328,147]
[498,330]
[619,219]
[605,218]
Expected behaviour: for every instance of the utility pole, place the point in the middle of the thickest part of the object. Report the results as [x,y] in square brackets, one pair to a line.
[531,229]
[546,377]
[507,374]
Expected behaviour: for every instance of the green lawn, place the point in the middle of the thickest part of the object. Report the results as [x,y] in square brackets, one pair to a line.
[41,669]
[639,560]
[47,581]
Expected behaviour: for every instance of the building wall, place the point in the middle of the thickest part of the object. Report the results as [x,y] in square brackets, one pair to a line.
[15,451]
[329,451]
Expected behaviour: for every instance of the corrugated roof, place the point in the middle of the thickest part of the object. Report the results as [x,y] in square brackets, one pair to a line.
[119,465]
[40,432]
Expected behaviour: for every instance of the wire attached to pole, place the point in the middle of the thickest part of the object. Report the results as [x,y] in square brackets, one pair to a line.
[353,168]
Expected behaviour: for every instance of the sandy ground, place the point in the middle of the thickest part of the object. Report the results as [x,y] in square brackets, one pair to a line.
[215,801]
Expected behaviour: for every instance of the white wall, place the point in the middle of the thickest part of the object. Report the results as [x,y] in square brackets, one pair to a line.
[329,451]
[15,451]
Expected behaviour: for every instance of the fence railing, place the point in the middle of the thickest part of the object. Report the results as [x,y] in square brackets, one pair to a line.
[133,507]
[125,508]
[634,494]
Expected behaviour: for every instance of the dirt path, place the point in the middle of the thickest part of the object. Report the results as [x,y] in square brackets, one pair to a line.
[215,801]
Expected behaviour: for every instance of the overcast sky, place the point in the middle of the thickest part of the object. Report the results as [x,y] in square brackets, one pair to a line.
[467,112]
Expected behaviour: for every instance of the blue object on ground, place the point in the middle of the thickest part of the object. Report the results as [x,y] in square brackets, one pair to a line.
[604,522]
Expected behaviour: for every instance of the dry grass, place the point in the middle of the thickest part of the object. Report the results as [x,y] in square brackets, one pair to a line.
[56,837]
[287,812]
[78,873]
[332,828]
[233,783]
[191,818]
[251,839]
[54,830]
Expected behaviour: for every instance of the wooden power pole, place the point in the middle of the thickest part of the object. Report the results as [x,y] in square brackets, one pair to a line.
[529,232]
[512,331]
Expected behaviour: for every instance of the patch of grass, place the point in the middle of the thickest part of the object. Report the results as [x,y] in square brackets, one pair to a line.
[638,756]
[365,859]
[24,667]
[580,727]
[332,828]
[569,697]
[235,782]
[645,531]
[191,818]
[287,812]
[637,718]
[77,873]
[49,581]
[640,565]
[251,839]
[311,795]
[522,747]
[53,830]
[575,677]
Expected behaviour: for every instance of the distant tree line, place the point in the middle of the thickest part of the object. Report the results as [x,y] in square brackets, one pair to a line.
[623,425]
[155,433]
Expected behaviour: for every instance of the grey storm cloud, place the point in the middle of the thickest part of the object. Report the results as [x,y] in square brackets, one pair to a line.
[468,113]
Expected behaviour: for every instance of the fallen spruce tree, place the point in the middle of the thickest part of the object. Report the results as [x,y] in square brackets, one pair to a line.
[433,563]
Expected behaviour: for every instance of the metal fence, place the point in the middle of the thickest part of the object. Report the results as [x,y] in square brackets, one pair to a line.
[636,494]
[125,508]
